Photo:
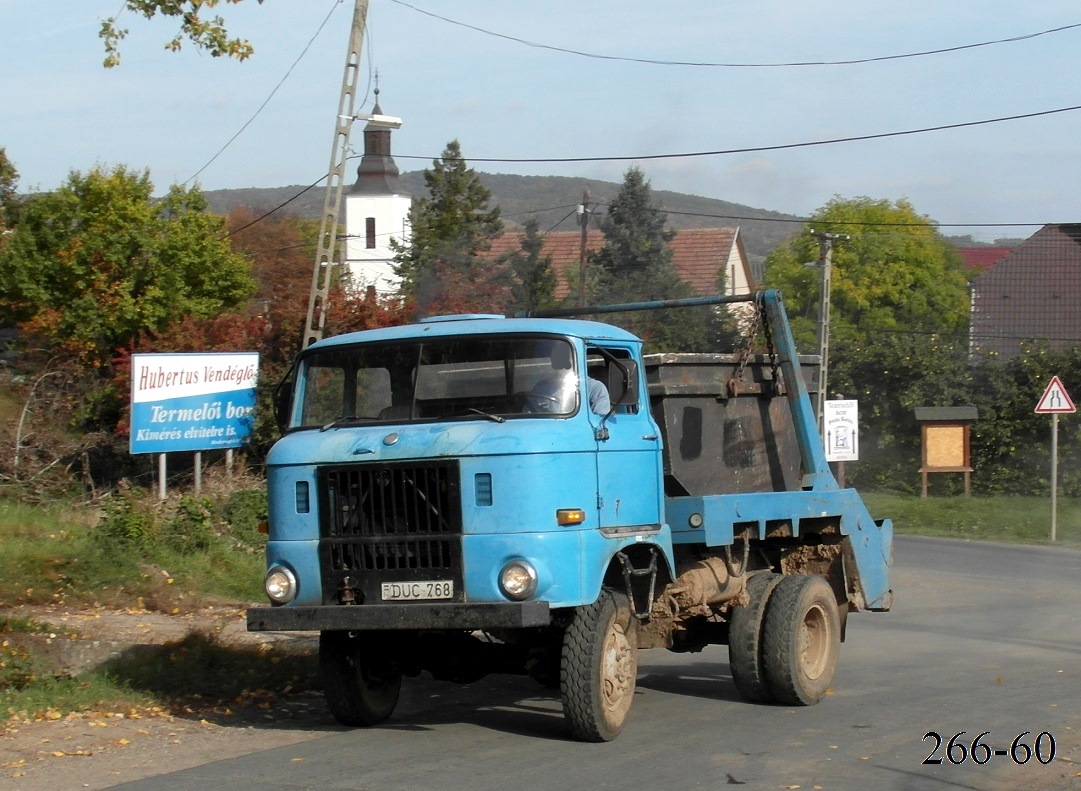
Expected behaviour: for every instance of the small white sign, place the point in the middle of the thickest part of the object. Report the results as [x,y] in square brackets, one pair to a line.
[842,435]
[1055,400]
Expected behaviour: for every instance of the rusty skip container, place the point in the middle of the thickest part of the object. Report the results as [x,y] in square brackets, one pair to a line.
[727,426]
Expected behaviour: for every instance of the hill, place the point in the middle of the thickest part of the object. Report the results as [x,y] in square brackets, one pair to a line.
[552,198]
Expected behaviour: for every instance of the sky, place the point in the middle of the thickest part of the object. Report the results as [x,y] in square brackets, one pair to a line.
[176,113]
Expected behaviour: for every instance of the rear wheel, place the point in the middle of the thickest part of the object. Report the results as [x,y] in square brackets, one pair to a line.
[598,667]
[745,639]
[801,639]
[360,684]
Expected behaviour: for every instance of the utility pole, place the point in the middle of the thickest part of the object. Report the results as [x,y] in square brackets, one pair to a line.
[825,263]
[583,220]
[328,228]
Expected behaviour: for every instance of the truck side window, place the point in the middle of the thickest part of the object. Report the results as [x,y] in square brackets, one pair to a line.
[597,368]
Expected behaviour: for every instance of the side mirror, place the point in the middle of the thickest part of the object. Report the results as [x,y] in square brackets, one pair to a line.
[623,382]
[283,401]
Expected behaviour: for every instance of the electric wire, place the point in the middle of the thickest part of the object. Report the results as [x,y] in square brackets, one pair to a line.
[706,64]
[757,149]
[281,205]
[270,96]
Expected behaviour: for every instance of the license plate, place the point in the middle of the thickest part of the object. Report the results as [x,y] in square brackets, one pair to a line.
[415,591]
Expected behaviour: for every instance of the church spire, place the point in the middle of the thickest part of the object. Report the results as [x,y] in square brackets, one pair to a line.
[378,173]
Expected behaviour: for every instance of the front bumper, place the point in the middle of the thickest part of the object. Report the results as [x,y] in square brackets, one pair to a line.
[499,615]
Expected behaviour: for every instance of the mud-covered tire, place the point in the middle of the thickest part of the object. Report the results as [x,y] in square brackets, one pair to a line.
[361,687]
[598,667]
[801,640]
[745,639]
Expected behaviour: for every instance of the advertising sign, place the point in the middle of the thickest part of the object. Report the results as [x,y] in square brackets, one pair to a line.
[842,430]
[192,402]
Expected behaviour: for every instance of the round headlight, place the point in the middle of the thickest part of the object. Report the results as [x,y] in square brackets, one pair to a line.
[518,579]
[280,585]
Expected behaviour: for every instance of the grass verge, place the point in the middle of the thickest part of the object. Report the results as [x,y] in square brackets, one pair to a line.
[1015,520]
[172,557]
[137,554]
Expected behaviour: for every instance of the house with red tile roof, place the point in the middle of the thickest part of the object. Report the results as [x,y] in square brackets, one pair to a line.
[1032,294]
[980,259]
[701,256]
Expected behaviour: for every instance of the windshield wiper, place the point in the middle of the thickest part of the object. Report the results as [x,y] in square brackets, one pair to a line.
[344,421]
[481,412]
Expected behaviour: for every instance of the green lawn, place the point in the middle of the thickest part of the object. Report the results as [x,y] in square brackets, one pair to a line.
[1016,520]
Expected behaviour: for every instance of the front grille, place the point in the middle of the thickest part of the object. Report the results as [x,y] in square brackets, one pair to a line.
[391,556]
[389,523]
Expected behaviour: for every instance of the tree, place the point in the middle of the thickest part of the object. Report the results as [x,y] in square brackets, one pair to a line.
[441,267]
[281,250]
[95,264]
[209,35]
[895,272]
[9,177]
[635,264]
[534,284]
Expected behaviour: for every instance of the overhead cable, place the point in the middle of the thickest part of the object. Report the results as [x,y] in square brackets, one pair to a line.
[706,64]
[270,96]
[755,149]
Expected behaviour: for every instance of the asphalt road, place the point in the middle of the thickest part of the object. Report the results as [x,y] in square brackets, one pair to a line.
[982,638]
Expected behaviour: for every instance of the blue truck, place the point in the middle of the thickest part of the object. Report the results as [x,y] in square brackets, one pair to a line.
[475,494]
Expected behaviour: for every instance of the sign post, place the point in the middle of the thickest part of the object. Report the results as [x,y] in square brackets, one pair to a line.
[841,432]
[1055,401]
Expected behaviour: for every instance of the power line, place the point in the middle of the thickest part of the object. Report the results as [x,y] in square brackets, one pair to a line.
[706,64]
[927,224]
[755,149]
[270,96]
[281,205]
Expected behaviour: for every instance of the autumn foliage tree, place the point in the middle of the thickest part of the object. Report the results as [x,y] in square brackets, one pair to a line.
[280,251]
[98,263]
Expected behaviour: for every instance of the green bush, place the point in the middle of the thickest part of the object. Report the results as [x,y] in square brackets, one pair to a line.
[127,522]
[134,550]
[1010,447]
[190,527]
[242,511]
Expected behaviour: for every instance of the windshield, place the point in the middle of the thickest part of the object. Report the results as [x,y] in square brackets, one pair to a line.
[468,378]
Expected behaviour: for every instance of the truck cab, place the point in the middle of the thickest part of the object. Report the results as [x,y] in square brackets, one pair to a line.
[419,463]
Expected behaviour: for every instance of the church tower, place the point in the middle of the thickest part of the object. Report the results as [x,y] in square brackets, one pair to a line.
[376,210]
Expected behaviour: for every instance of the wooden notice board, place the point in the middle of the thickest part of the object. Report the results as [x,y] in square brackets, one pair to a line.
[944,432]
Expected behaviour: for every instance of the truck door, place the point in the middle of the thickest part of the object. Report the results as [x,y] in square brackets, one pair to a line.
[629,466]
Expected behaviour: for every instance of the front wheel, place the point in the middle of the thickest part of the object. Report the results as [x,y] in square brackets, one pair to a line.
[598,667]
[801,639]
[360,684]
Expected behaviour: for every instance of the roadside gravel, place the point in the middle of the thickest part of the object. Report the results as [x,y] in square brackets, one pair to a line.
[100,750]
